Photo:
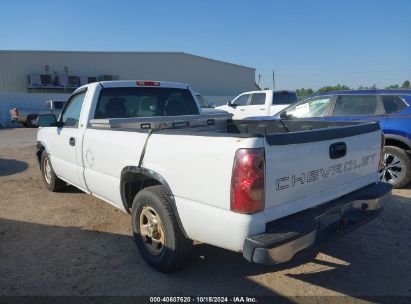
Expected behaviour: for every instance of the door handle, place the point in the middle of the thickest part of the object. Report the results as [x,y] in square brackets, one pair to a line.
[72,141]
[263,109]
[242,109]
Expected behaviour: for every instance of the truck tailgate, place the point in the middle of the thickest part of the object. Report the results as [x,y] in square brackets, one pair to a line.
[305,169]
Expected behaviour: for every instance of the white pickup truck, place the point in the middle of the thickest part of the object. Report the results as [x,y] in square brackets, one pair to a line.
[270,189]
[259,103]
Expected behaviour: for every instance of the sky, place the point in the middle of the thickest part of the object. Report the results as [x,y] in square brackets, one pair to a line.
[309,44]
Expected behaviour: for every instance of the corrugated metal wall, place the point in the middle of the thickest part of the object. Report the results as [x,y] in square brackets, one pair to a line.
[208,77]
[218,80]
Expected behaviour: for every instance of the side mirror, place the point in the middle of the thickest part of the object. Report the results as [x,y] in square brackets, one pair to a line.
[230,104]
[212,104]
[283,115]
[46,120]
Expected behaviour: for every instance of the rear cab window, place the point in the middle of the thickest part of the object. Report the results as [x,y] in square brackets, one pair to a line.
[144,102]
[284,98]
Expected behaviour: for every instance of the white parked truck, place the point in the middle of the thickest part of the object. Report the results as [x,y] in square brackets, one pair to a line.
[269,189]
[259,103]
[28,116]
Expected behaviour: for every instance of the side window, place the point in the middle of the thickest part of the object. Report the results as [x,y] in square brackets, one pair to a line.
[315,107]
[392,104]
[352,105]
[71,115]
[257,99]
[281,98]
[241,101]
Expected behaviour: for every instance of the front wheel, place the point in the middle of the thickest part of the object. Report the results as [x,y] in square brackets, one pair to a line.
[50,179]
[397,167]
[159,238]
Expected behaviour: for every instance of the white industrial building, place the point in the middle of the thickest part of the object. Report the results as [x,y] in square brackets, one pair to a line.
[28,78]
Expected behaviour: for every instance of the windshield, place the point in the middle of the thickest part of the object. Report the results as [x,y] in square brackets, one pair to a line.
[203,101]
[314,107]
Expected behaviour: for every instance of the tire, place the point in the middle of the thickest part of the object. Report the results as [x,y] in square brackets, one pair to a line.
[50,179]
[157,234]
[397,167]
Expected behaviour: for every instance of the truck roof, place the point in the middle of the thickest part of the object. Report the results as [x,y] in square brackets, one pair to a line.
[367,92]
[136,83]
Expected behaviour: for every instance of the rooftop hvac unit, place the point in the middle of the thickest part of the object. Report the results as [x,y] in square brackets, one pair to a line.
[46,80]
[34,80]
[63,80]
[37,80]
[74,81]
[87,79]
[92,79]
[107,77]
[69,81]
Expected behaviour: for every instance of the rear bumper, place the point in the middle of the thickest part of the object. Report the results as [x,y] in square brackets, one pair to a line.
[305,231]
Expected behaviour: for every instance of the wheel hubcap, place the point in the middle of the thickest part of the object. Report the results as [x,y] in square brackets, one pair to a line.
[47,171]
[393,169]
[151,231]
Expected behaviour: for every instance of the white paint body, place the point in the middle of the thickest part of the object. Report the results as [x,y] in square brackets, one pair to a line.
[250,110]
[198,168]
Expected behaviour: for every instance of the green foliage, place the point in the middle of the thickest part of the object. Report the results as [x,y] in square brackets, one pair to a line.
[304,92]
[338,87]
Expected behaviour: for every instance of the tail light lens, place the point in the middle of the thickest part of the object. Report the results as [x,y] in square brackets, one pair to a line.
[382,162]
[247,181]
[144,83]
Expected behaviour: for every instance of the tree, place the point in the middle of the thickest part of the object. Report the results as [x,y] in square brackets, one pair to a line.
[393,86]
[304,92]
[338,87]
[406,84]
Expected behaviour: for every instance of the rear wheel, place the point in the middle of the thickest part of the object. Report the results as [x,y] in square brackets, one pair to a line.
[50,179]
[397,167]
[159,238]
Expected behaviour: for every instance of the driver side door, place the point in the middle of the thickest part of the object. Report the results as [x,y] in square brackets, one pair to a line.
[65,144]
[238,107]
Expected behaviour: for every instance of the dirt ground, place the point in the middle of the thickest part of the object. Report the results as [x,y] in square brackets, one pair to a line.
[73,244]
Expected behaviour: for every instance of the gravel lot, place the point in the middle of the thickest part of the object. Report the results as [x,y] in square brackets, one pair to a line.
[73,244]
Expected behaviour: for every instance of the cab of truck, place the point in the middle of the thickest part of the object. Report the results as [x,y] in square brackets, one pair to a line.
[259,103]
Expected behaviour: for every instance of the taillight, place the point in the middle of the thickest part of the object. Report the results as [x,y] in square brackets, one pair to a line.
[247,181]
[148,83]
[381,165]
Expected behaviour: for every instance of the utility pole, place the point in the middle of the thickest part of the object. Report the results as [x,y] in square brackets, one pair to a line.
[273,80]
[259,77]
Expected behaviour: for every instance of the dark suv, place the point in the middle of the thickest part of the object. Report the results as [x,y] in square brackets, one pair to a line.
[391,108]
